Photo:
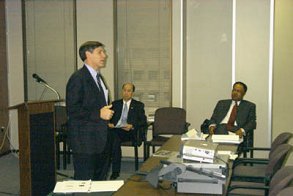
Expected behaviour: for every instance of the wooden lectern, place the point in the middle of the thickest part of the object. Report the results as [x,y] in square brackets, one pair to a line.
[36,147]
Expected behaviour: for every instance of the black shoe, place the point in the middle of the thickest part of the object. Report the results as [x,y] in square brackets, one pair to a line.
[114,176]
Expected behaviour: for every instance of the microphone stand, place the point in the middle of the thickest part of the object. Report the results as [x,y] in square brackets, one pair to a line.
[52,89]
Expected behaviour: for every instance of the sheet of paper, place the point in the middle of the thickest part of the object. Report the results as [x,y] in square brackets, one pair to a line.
[77,186]
[224,152]
[193,135]
[104,186]
[233,139]
[72,186]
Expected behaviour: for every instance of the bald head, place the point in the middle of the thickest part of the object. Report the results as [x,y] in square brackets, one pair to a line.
[127,91]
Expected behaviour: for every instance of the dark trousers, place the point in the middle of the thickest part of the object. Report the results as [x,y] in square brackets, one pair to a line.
[92,166]
[221,129]
[118,136]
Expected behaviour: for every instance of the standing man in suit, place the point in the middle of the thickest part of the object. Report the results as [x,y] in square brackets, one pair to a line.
[128,118]
[88,115]
[234,115]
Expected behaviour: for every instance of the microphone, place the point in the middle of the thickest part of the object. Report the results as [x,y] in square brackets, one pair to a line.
[44,83]
[38,78]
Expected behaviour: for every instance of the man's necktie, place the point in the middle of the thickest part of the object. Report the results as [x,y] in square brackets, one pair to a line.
[124,114]
[232,118]
[99,81]
[99,84]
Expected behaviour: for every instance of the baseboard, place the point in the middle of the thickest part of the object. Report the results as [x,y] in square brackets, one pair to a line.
[8,152]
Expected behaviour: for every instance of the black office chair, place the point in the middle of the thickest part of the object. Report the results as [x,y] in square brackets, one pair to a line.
[138,140]
[61,135]
[167,121]
[280,181]
[282,138]
[286,191]
[248,173]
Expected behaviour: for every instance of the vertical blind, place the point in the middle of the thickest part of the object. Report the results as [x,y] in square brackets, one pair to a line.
[143,46]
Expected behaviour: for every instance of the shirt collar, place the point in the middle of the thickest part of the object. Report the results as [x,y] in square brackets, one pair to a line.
[92,71]
[127,102]
[238,102]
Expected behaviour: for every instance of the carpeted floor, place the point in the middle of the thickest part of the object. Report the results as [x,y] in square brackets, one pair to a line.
[9,173]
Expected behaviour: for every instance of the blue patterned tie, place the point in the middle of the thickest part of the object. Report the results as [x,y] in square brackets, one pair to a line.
[124,114]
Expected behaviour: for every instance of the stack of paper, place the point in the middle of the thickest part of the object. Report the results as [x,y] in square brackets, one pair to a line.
[87,186]
[233,139]
[193,135]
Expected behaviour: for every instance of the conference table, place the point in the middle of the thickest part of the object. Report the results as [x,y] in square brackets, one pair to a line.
[137,185]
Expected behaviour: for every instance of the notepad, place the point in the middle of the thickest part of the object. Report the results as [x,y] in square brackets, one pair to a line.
[87,186]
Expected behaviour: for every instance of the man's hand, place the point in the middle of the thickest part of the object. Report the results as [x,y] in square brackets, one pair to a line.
[212,130]
[128,127]
[239,132]
[106,113]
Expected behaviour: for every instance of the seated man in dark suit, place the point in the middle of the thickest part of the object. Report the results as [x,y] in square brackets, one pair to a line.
[234,115]
[129,117]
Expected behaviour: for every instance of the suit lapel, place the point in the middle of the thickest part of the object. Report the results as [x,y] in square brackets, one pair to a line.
[92,84]
[89,79]
[131,110]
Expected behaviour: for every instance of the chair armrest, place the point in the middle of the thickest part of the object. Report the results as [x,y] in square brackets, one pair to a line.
[265,188]
[150,124]
[140,135]
[258,149]
[250,161]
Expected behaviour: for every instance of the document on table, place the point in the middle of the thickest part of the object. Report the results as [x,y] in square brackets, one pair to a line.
[232,139]
[87,186]
[73,186]
[164,153]
[193,135]
[104,186]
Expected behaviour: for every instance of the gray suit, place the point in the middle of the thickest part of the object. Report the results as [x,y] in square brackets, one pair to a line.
[246,117]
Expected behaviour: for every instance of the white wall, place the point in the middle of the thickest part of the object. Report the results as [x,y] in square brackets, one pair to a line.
[15,63]
[95,22]
[252,60]
[283,69]
[209,57]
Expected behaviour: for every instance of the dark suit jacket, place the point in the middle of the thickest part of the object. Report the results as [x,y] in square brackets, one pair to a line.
[246,117]
[87,132]
[136,114]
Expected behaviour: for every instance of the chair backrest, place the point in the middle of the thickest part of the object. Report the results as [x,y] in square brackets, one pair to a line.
[60,117]
[282,138]
[285,192]
[277,159]
[169,120]
[281,180]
